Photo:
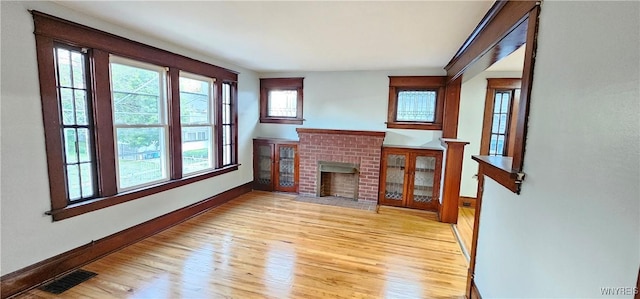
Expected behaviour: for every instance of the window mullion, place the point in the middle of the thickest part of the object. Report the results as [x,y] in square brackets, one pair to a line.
[175,128]
[103,117]
[217,103]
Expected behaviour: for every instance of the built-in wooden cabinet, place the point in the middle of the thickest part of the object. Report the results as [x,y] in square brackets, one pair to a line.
[410,177]
[275,165]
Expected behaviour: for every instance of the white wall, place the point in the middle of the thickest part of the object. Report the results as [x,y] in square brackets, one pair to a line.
[576,226]
[349,101]
[472,98]
[28,236]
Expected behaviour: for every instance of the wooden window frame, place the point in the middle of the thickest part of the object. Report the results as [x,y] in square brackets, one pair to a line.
[403,83]
[269,84]
[51,32]
[498,85]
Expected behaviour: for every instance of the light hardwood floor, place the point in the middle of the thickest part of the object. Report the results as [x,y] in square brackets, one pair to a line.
[266,245]
[465,226]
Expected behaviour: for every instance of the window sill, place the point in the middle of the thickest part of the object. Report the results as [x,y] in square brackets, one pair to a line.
[274,120]
[100,203]
[499,169]
[414,126]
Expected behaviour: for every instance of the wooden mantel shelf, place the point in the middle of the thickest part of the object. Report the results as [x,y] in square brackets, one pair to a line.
[341,132]
[500,170]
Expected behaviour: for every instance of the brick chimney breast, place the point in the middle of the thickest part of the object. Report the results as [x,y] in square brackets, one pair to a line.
[356,147]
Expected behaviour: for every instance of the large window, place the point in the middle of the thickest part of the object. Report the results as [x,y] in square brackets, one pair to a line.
[416,102]
[117,129]
[281,100]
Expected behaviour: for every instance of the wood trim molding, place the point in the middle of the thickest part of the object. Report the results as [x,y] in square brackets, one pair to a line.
[269,84]
[451,108]
[467,202]
[403,83]
[340,132]
[452,177]
[499,21]
[29,277]
[499,169]
[474,239]
[475,293]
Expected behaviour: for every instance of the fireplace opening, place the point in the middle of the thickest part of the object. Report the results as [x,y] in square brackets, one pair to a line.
[338,179]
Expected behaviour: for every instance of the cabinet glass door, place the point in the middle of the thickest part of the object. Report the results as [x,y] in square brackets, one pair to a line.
[286,167]
[394,179]
[263,166]
[424,182]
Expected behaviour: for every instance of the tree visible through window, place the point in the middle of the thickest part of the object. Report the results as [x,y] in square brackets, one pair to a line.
[139,107]
[118,129]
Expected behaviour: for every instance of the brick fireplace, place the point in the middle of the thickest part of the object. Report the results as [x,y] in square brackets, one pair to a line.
[359,149]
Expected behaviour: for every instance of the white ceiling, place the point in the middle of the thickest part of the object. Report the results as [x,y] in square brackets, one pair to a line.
[270,36]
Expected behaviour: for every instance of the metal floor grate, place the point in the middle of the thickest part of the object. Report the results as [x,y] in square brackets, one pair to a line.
[68,281]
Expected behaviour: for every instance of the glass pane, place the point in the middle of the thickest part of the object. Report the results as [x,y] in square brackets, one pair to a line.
[86,178]
[226,93]
[73,182]
[63,63]
[136,95]
[194,101]
[84,143]
[141,156]
[394,184]
[416,105]
[503,124]
[497,104]
[500,145]
[77,67]
[226,134]
[197,154]
[68,111]
[282,103]
[226,114]
[226,155]
[287,166]
[495,124]
[81,107]
[264,164]
[70,148]
[505,101]
[493,145]
[423,180]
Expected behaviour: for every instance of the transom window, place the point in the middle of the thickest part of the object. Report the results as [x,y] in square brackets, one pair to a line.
[416,102]
[281,100]
[118,129]
[416,105]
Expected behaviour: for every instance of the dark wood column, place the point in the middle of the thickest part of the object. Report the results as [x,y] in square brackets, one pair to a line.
[452,176]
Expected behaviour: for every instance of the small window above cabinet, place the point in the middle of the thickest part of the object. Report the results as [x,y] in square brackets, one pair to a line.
[275,165]
[410,177]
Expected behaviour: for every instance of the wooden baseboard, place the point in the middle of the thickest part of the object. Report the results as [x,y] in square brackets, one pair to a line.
[32,276]
[469,202]
[475,294]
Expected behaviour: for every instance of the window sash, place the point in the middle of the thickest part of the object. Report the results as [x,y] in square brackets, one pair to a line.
[79,173]
[161,124]
[209,125]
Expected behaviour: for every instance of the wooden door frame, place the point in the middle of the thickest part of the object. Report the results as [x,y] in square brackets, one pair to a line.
[506,26]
